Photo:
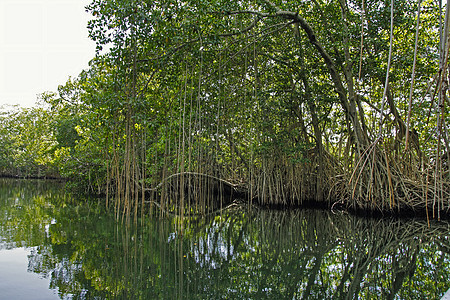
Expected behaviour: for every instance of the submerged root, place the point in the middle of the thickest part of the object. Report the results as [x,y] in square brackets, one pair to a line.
[281,182]
[397,185]
[192,193]
[380,182]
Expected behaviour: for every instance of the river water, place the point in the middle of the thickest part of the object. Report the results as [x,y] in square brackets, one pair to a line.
[55,247]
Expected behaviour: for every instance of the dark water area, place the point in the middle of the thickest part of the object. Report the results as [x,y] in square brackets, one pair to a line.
[55,247]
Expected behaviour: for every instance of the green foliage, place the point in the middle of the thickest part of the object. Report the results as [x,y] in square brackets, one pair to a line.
[66,133]
[28,142]
[239,89]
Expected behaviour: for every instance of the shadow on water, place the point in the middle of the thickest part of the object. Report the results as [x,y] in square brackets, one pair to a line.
[239,254]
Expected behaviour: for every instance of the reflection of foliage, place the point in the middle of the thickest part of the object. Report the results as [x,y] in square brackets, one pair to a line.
[319,255]
[266,255]
[237,254]
[25,211]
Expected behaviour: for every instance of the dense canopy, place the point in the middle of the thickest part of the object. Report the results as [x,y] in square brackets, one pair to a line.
[334,102]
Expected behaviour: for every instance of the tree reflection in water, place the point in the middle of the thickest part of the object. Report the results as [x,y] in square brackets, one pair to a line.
[239,253]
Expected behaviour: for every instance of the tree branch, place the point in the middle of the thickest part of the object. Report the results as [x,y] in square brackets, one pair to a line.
[296,18]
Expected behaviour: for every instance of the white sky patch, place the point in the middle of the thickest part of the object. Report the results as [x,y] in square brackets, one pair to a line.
[42,43]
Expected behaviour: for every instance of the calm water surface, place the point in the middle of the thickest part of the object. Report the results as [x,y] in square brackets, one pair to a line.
[53,247]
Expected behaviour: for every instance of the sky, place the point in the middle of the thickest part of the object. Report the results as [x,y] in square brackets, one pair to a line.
[42,43]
